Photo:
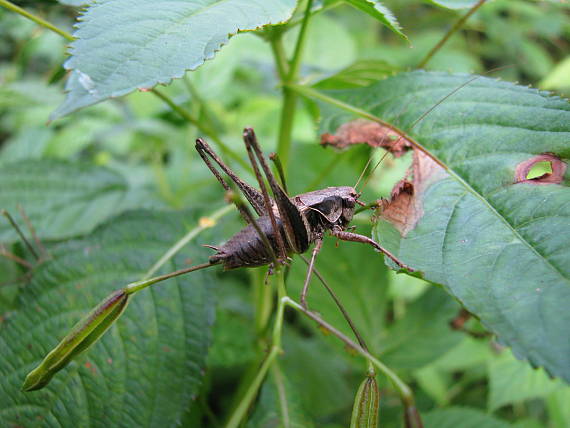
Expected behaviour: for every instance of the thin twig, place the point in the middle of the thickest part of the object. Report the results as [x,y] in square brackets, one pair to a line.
[450,33]
[32,229]
[20,234]
[40,21]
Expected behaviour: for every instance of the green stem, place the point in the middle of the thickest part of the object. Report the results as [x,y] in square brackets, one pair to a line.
[286,125]
[289,96]
[280,58]
[40,21]
[202,127]
[196,97]
[247,399]
[251,392]
[450,33]
[403,389]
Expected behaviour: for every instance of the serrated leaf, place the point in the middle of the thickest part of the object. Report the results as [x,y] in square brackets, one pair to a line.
[512,381]
[147,368]
[496,241]
[126,45]
[380,12]
[61,199]
[464,417]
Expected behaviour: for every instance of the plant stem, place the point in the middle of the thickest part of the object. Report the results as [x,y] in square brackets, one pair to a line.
[450,33]
[289,96]
[202,127]
[241,410]
[278,50]
[40,21]
[403,389]
[245,402]
[196,97]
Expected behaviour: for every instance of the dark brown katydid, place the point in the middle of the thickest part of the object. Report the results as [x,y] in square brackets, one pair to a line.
[286,225]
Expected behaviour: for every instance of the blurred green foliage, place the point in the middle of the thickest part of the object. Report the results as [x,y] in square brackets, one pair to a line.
[140,138]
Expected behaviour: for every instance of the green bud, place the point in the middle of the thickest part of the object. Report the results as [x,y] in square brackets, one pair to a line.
[86,332]
[366,403]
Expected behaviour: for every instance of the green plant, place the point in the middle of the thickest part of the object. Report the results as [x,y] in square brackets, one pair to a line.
[99,186]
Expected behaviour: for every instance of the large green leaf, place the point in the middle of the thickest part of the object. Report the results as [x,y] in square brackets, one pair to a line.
[124,45]
[61,199]
[147,368]
[511,381]
[499,243]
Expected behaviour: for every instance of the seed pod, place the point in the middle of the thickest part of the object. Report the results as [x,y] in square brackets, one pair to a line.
[366,403]
[86,332]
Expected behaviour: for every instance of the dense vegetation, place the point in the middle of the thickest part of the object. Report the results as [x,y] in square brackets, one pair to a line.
[104,181]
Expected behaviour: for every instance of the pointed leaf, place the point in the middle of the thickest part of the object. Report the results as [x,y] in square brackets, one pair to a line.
[476,224]
[380,12]
[126,45]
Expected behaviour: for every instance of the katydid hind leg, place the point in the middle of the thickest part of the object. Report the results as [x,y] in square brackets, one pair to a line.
[266,199]
[295,227]
[253,195]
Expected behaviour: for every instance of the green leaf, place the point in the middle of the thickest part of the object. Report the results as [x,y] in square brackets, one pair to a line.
[147,367]
[377,10]
[559,77]
[126,45]
[512,381]
[454,4]
[61,199]
[490,236]
[414,342]
[361,73]
[454,417]
[279,404]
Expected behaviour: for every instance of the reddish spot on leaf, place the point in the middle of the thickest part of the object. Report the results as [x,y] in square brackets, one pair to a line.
[165,349]
[405,207]
[145,89]
[362,131]
[91,367]
[558,168]
[109,360]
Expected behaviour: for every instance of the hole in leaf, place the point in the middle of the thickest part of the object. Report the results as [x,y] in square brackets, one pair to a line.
[545,168]
[539,169]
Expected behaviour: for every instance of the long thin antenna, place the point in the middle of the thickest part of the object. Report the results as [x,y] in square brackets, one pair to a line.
[363,171]
[374,169]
